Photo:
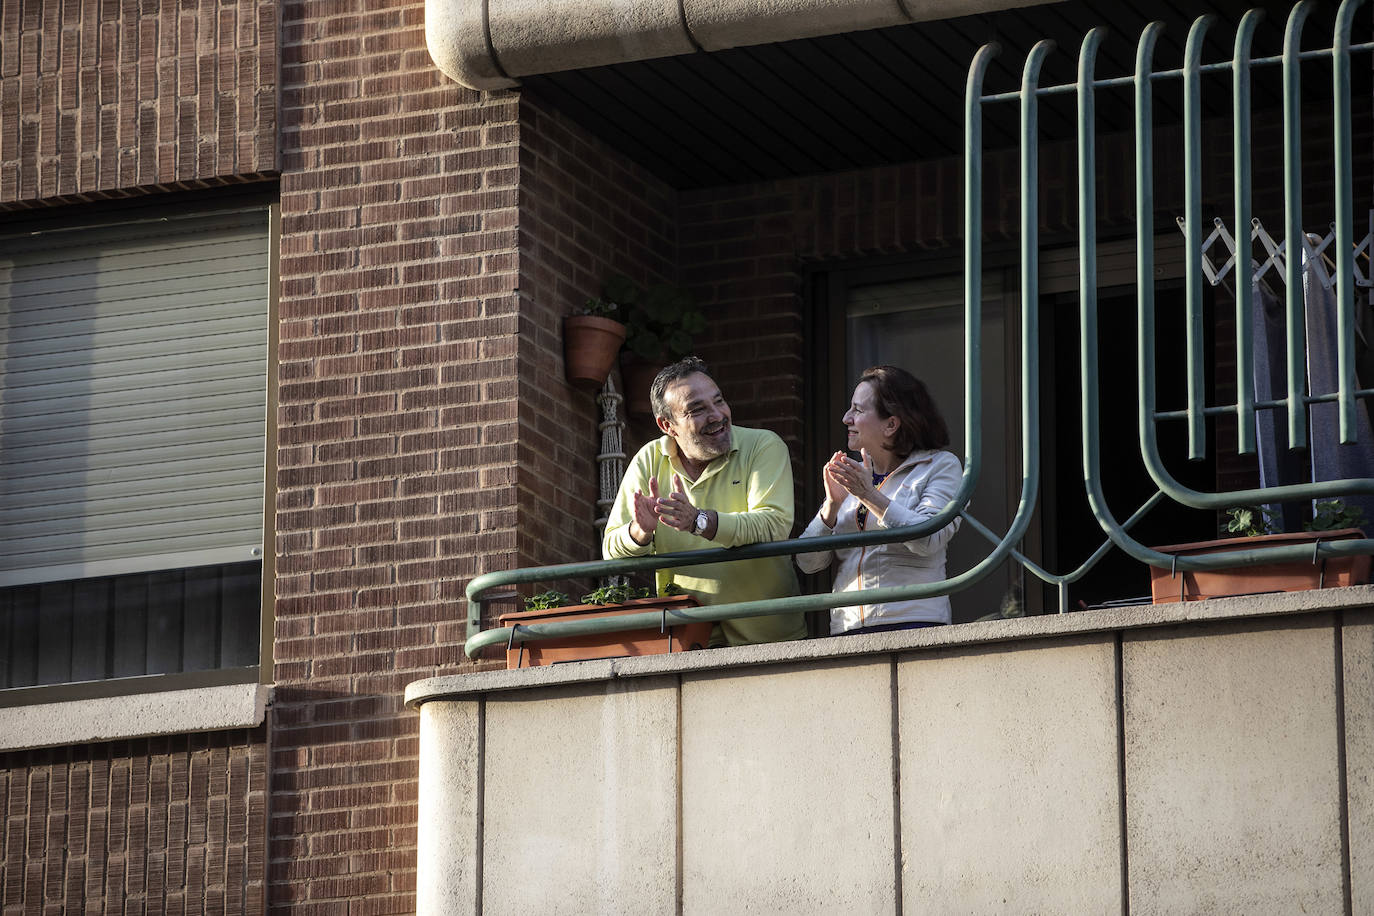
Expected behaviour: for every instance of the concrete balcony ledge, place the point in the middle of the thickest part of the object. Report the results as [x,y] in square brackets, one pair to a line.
[1210,757]
[1049,626]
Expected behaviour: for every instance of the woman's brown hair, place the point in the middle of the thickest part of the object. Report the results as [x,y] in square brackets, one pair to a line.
[898,393]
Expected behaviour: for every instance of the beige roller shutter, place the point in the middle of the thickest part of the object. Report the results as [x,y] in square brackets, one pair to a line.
[133,368]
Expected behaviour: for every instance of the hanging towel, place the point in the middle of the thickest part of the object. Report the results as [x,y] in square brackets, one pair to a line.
[1278,465]
[1329,459]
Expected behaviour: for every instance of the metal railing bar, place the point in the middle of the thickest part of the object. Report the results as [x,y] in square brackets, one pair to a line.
[1328,398]
[1345,218]
[1245,292]
[1219,66]
[1082,570]
[1292,201]
[1145,223]
[597,568]
[1030,276]
[973,269]
[1192,207]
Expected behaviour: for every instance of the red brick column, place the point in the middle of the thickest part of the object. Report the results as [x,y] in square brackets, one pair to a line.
[397,412]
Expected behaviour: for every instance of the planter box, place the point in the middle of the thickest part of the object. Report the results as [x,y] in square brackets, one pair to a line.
[1295,576]
[648,641]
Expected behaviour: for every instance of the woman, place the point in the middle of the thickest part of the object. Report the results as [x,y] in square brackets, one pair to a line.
[905,476]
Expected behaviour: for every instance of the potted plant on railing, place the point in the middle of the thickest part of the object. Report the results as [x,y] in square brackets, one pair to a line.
[608,601]
[1332,521]
[661,323]
[591,340]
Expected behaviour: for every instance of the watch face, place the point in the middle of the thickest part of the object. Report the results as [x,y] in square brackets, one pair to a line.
[701,521]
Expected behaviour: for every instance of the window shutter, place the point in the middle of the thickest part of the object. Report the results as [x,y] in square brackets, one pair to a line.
[133,368]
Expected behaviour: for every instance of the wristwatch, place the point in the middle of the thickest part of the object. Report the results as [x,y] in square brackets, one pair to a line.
[703,520]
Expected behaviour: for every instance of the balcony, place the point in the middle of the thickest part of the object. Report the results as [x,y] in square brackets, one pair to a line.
[1197,756]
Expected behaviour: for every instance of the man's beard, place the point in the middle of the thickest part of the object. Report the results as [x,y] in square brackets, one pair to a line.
[702,447]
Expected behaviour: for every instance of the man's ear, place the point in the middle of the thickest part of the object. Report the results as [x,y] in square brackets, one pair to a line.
[664,425]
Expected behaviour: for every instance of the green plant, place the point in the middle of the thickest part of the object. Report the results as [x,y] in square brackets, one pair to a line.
[545,600]
[1330,514]
[601,308]
[661,321]
[1249,521]
[618,594]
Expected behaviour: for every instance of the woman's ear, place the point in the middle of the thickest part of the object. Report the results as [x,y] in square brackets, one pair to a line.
[890,426]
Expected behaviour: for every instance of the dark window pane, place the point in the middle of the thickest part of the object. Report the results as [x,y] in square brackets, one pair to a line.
[164,622]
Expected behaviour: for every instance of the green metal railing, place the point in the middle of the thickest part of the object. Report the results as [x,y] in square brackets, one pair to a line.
[1296,400]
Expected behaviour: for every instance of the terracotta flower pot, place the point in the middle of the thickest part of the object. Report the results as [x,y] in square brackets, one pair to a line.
[638,375]
[1293,576]
[648,641]
[590,346]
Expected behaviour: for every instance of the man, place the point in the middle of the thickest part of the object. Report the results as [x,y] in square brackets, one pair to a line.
[705,483]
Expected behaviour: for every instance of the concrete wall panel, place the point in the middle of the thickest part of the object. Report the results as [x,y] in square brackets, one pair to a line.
[787,791]
[1009,779]
[1232,783]
[446,870]
[1358,645]
[580,806]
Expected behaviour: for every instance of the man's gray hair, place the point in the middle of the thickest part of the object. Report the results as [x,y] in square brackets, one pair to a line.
[667,375]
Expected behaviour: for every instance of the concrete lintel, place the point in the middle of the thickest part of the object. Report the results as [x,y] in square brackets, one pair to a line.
[1050,626]
[487,44]
[143,715]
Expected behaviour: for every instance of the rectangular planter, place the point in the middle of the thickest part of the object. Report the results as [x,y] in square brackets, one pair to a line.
[1295,576]
[648,641]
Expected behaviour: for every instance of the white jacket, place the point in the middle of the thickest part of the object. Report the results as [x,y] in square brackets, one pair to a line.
[919,487]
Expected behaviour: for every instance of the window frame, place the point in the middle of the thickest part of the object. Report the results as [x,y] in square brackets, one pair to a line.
[135,692]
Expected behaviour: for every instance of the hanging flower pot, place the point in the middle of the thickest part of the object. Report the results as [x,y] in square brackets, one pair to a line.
[638,375]
[590,345]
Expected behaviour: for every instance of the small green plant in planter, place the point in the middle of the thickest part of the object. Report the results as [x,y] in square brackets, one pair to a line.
[1334,514]
[615,594]
[546,600]
[1251,527]
[1249,521]
[601,308]
[1328,515]
[619,594]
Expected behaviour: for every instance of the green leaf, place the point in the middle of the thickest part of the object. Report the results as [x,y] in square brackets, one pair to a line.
[621,289]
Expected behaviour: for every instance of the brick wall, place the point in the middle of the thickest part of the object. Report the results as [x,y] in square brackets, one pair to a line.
[396,422]
[100,99]
[164,825]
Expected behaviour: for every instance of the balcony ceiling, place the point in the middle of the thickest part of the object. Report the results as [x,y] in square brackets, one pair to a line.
[893,95]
